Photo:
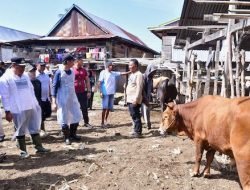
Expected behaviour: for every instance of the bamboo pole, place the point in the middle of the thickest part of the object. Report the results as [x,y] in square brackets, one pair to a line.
[243,61]
[216,74]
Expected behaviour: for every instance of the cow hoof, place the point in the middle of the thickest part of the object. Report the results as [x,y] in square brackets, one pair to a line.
[193,174]
[206,175]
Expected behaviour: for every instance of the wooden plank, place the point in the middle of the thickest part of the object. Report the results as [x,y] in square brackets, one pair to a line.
[195,28]
[215,36]
[242,11]
[238,3]
[231,15]
[197,43]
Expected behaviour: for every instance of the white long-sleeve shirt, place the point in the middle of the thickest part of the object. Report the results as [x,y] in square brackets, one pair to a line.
[17,92]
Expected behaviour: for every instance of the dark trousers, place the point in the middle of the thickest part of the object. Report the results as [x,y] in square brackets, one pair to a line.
[134,111]
[90,101]
[83,100]
[46,109]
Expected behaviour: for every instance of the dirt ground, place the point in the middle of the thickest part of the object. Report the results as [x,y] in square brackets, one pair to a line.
[109,159]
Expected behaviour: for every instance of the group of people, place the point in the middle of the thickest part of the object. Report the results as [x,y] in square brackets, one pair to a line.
[28,98]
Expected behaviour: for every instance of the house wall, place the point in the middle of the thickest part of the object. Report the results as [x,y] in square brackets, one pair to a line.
[123,50]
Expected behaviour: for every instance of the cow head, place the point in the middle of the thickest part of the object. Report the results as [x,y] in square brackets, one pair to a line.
[169,119]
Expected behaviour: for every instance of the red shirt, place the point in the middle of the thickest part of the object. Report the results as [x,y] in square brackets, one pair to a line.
[80,76]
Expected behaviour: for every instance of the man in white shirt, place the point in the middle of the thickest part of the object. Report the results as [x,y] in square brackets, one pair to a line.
[107,84]
[45,94]
[134,96]
[21,106]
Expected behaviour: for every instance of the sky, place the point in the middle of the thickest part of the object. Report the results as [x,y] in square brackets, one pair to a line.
[135,16]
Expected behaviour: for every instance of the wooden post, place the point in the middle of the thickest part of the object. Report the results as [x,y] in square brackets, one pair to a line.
[208,77]
[237,75]
[105,57]
[228,68]
[198,82]
[187,69]
[191,79]
[243,61]
[216,74]
[223,85]
[177,83]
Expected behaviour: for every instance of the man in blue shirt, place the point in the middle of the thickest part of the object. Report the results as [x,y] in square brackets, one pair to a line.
[107,84]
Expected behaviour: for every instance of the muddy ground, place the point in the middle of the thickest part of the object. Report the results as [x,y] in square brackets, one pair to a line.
[109,159]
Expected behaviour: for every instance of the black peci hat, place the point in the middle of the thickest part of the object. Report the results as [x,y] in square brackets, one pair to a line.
[18,61]
[68,57]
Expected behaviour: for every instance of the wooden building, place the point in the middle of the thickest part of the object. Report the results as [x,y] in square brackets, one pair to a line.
[219,28]
[80,31]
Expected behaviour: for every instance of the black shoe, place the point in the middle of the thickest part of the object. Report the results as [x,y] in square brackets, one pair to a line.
[2,138]
[2,157]
[136,135]
[75,138]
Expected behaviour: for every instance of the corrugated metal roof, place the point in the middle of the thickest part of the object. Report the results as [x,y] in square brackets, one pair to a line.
[104,25]
[54,38]
[193,13]
[8,35]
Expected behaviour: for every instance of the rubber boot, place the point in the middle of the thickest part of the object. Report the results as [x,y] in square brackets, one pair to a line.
[38,144]
[22,146]
[73,129]
[66,133]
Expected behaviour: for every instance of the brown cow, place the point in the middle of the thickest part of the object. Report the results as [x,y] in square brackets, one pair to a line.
[214,123]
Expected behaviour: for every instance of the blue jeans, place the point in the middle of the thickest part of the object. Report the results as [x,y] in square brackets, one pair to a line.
[135,113]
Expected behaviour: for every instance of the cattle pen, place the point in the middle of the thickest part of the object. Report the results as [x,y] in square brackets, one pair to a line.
[209,48]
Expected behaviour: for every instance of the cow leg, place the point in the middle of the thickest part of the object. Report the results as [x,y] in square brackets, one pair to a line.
[210,157]
[199,149]
[243,167]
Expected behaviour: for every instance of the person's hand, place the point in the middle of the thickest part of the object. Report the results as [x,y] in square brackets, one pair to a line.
[101,95]
[8,116]
[88,94]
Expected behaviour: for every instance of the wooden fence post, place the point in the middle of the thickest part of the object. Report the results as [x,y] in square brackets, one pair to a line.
[243,61]
[237,74]
[198,82]
[208,78]
[216,74]
[191,79]
[187,69]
